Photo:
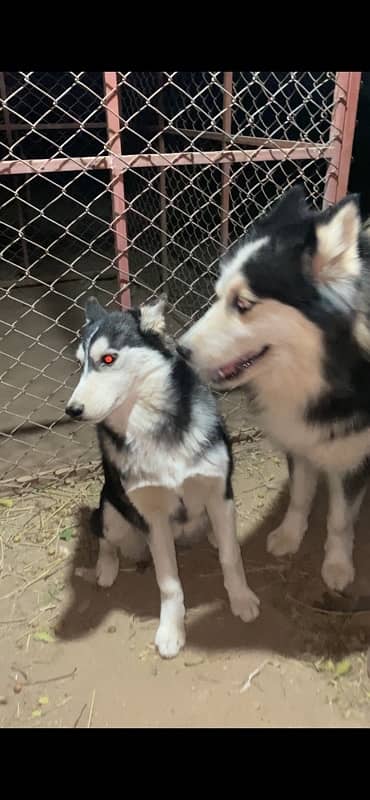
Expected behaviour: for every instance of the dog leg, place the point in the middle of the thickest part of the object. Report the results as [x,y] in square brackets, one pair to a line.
[118,533]
[346,495]
[244,603]
[288,536]
[155,505]
[108,564]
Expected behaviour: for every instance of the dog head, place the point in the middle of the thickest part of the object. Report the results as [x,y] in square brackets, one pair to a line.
[279,292]
[117,351]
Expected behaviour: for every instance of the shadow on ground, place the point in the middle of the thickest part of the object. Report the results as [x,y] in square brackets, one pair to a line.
[299,617]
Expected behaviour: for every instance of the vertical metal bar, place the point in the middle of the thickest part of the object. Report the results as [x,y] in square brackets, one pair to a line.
[346,93]
[163,192]
[225,181]
[16,182]
[119,224]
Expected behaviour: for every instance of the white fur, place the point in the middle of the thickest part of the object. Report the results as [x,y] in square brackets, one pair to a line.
[286,539]
[244,603]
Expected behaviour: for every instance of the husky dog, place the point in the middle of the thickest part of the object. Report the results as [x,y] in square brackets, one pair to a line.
[291,323]
[166,458]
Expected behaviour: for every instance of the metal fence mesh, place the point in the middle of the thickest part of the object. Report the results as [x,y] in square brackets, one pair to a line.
[198,155]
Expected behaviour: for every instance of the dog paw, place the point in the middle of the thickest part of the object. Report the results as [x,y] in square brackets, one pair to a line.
[338,573]
[246,606]
[283,542]
[107,570]
[169,640]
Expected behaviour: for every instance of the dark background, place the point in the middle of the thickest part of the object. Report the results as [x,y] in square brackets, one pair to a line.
[359,180]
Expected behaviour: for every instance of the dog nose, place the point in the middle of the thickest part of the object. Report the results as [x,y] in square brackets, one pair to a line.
[74,410]
[184,352]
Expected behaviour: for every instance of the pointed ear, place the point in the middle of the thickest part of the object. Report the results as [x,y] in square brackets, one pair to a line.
[290,209]
[152,316]
[93,310]
[335,255]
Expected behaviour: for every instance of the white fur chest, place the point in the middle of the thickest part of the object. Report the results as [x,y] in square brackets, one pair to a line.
[145,462]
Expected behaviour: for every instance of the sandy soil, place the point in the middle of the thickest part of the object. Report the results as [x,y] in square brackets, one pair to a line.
[73,655]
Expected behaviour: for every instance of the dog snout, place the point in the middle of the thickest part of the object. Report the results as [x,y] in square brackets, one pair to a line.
[74,410]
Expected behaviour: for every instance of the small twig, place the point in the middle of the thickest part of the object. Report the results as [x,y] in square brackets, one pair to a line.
[12,621]
[21,671]
[91,708]
[248,682]
[46,574]
[80,715]
[51,680]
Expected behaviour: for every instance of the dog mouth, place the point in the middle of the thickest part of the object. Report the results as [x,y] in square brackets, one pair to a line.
[233,369]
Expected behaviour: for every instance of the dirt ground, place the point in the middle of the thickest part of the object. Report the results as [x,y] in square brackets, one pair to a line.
[73,655]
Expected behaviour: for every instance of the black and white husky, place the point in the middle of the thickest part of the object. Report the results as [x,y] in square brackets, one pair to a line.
[291,323]
[166,457]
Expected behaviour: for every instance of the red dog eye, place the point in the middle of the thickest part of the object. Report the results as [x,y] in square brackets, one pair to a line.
[108,359]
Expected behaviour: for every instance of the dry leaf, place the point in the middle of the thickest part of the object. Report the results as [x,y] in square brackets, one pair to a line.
[43,701]
[43,636]
[6,502]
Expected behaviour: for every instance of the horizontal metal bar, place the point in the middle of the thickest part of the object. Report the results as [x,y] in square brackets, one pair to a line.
[240,139]
[142,160]
[39,165]
[45,126]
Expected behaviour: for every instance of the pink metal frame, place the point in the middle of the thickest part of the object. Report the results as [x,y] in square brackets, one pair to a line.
[337,152]
[346,93]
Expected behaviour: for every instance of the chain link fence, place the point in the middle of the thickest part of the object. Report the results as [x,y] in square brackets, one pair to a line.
[127,184]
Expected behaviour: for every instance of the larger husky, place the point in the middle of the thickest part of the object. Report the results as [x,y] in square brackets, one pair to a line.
[291,324]
[166,458]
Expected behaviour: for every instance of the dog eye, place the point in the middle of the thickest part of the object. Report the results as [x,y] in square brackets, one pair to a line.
[242,305]
[108,359]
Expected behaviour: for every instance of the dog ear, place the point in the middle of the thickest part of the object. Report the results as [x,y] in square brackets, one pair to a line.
[93,310]
[335,255]
[290,209]
[152,316]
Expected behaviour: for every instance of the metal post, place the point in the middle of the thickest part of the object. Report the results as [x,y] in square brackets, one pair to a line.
[119,224]
[15,180]
[225,184]
[163,192]
[346,93]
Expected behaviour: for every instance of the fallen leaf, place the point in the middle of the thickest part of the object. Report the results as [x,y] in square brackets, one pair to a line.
[66,534]
[43,636]
[327,666]
[343,667]
[6,502]
[43,701]
[36,713]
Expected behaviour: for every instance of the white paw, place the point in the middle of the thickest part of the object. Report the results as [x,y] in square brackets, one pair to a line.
[283,542]
[107,570]
[169,640]
[337,574]
[246,606]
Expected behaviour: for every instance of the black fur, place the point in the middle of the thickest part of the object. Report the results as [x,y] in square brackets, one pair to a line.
[280,270]
[104,430]
[185,383]
[355,481]
[114,493]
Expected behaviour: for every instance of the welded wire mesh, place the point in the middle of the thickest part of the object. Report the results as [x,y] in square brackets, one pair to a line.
[195,174]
